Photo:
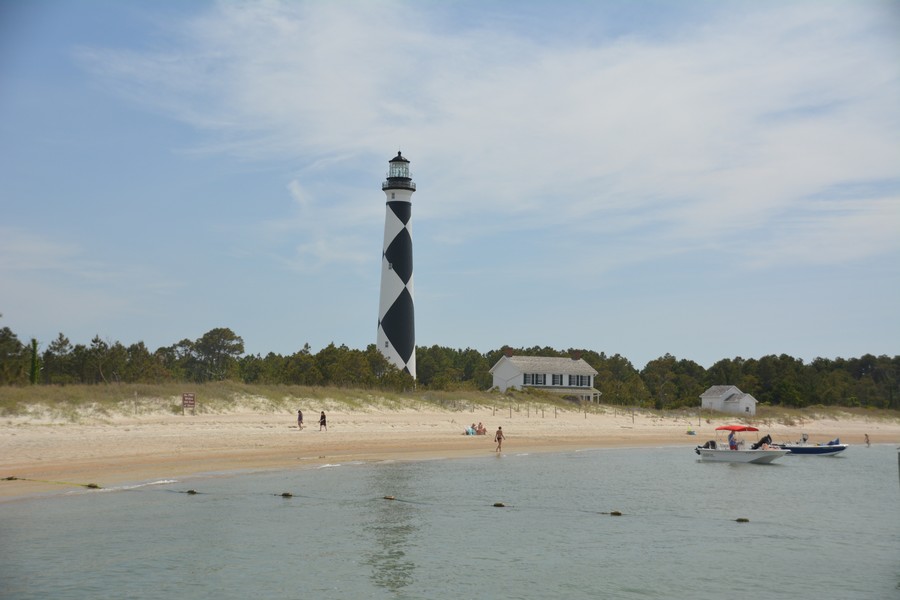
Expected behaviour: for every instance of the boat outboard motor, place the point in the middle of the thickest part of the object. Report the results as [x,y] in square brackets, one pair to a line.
[710,445]
[767,439]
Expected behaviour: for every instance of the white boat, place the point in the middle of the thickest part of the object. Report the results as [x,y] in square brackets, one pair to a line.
[736,451]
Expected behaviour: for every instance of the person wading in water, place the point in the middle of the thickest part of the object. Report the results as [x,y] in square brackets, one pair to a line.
[498,437]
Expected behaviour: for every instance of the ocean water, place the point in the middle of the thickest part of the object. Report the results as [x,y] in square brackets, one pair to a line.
[819,527]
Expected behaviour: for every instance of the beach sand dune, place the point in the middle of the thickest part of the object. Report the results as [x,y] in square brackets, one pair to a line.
[46,455]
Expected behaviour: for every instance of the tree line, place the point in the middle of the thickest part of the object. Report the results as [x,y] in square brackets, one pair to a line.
[664,383]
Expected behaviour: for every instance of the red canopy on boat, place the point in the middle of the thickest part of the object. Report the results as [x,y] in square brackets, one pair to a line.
[736,428]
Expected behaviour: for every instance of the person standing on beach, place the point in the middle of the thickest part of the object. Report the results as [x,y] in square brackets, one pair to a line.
[498,437]
[322,423]
[300,419]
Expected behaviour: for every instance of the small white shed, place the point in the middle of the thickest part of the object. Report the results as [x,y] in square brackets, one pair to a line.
[728,399]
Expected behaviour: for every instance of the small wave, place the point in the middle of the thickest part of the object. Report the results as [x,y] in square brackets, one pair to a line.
[328,466]
[137,486]
[133,486]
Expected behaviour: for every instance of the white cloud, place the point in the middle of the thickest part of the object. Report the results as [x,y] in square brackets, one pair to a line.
[720,128]
[834,232]
[299,194]
[327,217]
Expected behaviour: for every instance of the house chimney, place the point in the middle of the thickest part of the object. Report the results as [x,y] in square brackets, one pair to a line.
[576,355]
[507,351]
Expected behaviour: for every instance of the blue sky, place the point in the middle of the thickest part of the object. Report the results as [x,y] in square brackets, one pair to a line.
[706,179]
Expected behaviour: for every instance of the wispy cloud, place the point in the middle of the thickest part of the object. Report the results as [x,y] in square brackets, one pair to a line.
[46,271]
[720,128]
[833,232]
[26,251]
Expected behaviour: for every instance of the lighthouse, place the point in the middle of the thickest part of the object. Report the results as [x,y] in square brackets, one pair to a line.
[396,314]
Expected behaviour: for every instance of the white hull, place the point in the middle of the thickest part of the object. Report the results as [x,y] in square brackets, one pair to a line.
[740,456]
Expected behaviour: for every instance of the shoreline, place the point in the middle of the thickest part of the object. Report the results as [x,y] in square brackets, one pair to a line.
[47,457]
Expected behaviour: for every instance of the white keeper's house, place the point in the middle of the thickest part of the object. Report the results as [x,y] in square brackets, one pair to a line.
[564,376]
[728,399]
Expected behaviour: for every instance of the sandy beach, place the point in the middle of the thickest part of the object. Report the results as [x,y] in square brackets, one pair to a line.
[44,455]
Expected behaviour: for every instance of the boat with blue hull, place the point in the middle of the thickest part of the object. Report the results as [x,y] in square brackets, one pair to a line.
[830,448]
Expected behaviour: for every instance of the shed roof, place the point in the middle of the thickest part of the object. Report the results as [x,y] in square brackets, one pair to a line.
[740,396]
[720,390]
[728,393]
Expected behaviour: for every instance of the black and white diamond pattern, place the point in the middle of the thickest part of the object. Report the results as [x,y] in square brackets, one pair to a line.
[396,314]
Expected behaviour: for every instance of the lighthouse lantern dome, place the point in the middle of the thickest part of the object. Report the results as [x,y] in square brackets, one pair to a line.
[399,167]
[398,177]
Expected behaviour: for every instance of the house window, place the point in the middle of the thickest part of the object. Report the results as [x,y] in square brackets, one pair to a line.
[557,379]
[580,380]
[535,379]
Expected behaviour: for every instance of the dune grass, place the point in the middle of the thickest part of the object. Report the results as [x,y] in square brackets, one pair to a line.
[75,402]
[72,403]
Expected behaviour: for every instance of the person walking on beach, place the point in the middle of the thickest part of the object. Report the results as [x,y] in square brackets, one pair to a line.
[300,419]
[322,423]
[867,441]
[498,437]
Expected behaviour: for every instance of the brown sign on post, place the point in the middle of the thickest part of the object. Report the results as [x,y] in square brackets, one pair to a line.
[187,401]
